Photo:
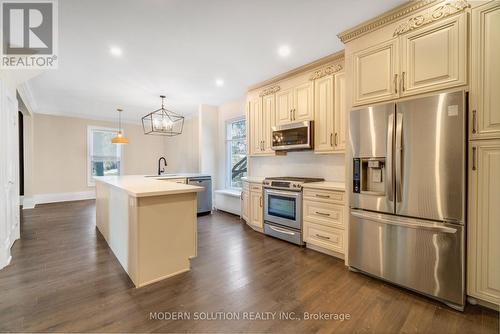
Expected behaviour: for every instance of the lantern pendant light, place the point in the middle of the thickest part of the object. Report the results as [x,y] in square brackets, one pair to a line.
[163,122]
[120,138]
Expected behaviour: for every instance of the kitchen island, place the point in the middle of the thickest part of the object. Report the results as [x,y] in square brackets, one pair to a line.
[149,223]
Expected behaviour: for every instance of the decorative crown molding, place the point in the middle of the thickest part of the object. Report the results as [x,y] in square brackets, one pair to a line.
[326,71]
[384,19]
[436,14]
[269,91]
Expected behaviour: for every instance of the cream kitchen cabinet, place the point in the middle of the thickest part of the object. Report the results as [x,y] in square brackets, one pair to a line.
[295,104]
[329,114]
[376,73]
[434,57]
[417,60]
[484,221]
[256,207]
[245,205]
[261,115]
[485,72]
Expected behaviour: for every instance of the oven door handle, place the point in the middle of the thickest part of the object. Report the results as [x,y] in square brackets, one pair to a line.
[281,230]
[291,194]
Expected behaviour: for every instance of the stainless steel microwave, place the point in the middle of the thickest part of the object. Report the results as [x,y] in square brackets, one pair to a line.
[293,137]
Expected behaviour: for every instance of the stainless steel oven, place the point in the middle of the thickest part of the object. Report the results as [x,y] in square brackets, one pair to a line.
[293,137]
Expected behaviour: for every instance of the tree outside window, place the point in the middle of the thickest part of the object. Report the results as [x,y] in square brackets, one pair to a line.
[236,149]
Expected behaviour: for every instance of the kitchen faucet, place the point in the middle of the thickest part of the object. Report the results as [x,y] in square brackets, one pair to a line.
[160,170]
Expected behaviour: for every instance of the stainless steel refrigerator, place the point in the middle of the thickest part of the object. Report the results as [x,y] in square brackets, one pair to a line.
[408,194]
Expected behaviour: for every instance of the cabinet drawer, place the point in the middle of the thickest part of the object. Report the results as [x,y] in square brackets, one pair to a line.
[255,187]
[322,236]
[324,213]
[325,195]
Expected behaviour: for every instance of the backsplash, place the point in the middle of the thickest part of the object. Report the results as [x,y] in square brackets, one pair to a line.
[307,164]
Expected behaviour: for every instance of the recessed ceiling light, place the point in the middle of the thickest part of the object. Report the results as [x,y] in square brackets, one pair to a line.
[115,51]
[284,51]
[219,82]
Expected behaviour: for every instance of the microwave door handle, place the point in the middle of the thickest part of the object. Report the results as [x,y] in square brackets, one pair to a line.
[399,156]
[389,165]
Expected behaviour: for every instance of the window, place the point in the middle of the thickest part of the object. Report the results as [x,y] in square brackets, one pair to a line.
[104,158]
[236,151]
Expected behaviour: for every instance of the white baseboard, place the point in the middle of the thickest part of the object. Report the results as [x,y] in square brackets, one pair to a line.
[63,197]
[5,256]
[28,202]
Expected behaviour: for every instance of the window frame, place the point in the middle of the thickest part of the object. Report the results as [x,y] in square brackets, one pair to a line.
[227,142]
[90,147]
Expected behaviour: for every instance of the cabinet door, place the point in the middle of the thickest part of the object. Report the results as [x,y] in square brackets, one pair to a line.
[484,221]
[256,210]
[244,206]
[255,120]
[303,106]
[434,57]
[375,73]
[284,106]
[485,69]
[268,121]
[323,115]
[340,112]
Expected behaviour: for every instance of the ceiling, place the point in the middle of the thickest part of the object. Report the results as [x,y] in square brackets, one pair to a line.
[180,47]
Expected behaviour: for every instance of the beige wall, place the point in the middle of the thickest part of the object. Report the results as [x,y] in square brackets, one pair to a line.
[60,153]
[181,151]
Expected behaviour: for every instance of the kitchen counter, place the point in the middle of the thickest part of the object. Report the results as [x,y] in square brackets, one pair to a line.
[144,186]
[325,185]
[149,223]
[253,179]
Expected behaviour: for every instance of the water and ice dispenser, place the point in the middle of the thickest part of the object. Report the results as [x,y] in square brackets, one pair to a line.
[369,175]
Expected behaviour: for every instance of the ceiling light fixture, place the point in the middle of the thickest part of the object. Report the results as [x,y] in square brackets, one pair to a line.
[120,138]
[163,122]
[115,51]
[219,82]
[284,51]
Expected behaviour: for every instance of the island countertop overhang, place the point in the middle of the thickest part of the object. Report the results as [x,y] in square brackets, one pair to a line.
[142,186]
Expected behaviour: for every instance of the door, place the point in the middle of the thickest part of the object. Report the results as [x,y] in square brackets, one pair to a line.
[323,115]
[372,133]
[434,57]
[284,106]
[268,121]
[485,83]
[255,119]
[375,73]
[303,107]
[417,254]
[429,157]
[484,221]
[256,207]
[340,112]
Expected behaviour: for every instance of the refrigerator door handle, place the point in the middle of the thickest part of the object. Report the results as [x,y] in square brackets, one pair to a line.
[389,164]
[399,156]
[405,222]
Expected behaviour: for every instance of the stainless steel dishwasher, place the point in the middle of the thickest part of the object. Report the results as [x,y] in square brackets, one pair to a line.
[204,197]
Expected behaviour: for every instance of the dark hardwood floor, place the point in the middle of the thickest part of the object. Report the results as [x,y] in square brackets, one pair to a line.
[64,278]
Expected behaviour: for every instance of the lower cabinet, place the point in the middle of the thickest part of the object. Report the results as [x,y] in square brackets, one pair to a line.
[324,212]
[483,244]
[245,213]
[256,209]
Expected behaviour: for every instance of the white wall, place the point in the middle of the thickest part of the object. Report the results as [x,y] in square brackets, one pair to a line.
[306,163]
[182,151]
[208,140]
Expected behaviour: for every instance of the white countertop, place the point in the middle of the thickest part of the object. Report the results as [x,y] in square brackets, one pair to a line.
[326,185]
[176,176]
[253,179]
[142,186]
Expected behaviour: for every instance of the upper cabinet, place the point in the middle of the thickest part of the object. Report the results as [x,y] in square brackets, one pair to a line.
[434,57]
[484,113]
[295,104]
[425,53]
[340,134]
[375,73]
[284,106]
[261,118]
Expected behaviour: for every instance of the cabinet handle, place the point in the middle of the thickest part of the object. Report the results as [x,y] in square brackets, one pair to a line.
[474,158]
[291,112]
[396,83]
[336,139]
[294,117]
[331,139]
[261,202]
[403,76]
[473,121]
[323,214]
[322,196]
[322,236]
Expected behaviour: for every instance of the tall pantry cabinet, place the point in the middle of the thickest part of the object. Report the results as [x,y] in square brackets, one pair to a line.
[483,239]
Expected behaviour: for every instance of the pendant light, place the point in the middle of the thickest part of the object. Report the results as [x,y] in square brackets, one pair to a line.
[163,122]
[120,138]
